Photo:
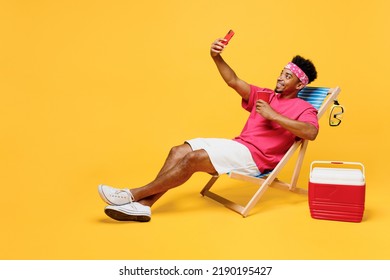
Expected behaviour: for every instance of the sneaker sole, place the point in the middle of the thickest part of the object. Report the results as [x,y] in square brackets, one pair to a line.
[120,216]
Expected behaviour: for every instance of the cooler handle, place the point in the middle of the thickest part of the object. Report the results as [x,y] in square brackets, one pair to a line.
[338,162]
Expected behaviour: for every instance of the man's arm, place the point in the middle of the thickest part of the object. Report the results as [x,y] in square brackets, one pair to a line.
[227,73]
[300,129]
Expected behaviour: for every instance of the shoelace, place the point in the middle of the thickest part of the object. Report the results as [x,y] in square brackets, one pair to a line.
[128,192]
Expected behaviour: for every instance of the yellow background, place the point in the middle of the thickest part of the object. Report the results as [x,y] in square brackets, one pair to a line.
[98,91]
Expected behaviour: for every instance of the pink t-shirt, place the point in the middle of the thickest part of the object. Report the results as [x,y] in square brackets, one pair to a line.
[266,140]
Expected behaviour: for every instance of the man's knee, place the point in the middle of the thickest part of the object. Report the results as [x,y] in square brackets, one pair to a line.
[198,161]
[180,151]
[192,161]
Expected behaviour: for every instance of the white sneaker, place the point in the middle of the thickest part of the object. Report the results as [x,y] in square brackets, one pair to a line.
[115,196]
[133,211]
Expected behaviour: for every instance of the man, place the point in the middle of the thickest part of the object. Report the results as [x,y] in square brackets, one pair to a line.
[273,125]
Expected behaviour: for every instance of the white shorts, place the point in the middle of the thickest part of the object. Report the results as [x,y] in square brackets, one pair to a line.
[226,155]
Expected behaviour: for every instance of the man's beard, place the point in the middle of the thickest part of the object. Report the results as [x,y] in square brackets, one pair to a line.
[278,91]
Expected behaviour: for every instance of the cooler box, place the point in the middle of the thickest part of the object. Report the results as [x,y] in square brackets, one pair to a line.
[337,191]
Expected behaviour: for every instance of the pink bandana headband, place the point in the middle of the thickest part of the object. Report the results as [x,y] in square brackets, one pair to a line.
[298,72]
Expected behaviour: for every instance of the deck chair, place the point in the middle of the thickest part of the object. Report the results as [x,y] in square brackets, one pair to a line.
[321,98]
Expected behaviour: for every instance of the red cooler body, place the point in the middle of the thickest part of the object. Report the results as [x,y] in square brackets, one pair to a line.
[337,191]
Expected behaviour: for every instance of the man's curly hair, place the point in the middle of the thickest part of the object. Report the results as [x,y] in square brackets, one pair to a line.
[307,66]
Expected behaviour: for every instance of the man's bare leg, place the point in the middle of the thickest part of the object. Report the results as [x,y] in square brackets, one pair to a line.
[180,165]
[175,155]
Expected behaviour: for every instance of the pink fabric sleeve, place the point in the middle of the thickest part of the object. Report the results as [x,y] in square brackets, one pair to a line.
[309,116]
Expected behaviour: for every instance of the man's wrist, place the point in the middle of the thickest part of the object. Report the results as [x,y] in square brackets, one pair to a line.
[276,117]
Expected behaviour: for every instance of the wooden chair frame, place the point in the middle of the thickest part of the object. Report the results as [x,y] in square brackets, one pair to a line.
[271,179]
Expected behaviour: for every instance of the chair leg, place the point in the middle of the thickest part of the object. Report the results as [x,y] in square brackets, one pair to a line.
[263,183]
[209,184]
[270,179]
[298,166]
[227,203]
[264,186]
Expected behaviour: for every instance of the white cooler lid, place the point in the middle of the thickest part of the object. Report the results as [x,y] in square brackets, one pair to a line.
[337,176]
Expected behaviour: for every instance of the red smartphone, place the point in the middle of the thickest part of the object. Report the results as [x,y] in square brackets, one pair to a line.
[228,36]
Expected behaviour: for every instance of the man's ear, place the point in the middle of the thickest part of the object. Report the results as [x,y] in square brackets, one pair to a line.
[300,86]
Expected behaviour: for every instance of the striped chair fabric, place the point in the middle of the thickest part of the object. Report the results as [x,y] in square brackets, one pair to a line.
[314,95]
